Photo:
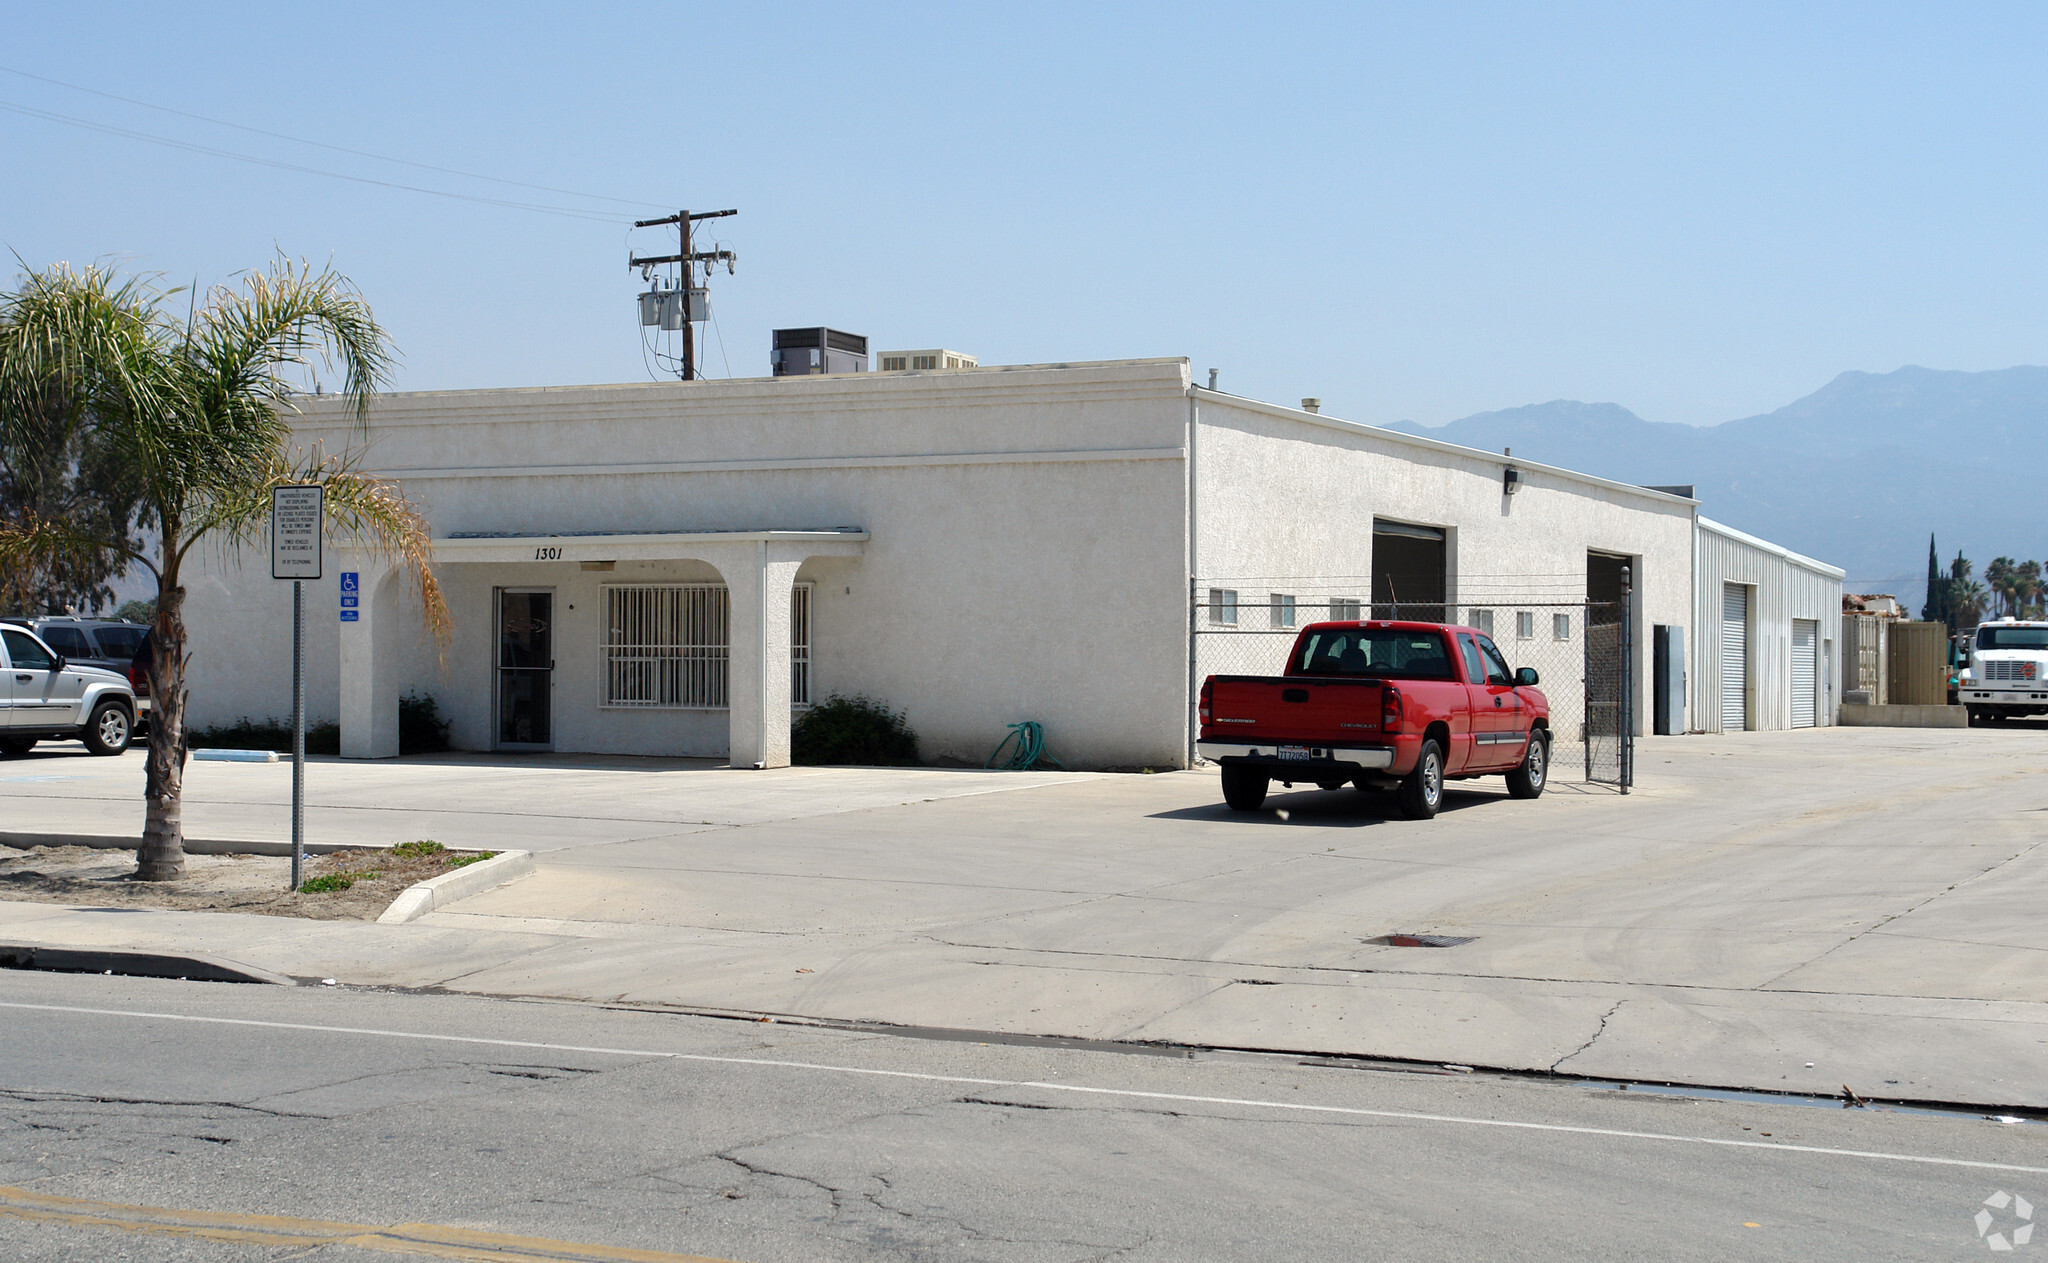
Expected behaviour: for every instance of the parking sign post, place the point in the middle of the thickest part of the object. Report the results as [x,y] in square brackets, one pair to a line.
[295,515]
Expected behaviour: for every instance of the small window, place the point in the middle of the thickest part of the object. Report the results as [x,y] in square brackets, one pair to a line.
[924,361]
[1223,606]
[892,364]
[1561,626]
[1483,620]
[1283,610]
[1345,609]
[1525,625]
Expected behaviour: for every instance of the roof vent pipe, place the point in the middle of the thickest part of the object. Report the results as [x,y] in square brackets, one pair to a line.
[1311,405]
[1212,379]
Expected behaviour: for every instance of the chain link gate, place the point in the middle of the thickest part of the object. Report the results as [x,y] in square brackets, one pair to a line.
[1578,648]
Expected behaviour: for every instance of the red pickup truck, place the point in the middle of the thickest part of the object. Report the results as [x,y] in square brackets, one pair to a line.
[1382,705]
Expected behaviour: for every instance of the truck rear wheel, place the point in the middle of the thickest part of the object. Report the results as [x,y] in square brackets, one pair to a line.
[1422,790]
[1244,789]
[1526,781]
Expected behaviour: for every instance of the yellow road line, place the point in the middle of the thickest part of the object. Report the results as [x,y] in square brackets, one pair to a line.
[430,1240]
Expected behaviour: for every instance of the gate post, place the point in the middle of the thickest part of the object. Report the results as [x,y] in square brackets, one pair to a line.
[1628,682]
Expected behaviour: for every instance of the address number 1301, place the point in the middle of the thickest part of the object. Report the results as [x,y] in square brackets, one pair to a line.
[547,554]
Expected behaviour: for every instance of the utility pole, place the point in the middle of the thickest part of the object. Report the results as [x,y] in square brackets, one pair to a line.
[689,258]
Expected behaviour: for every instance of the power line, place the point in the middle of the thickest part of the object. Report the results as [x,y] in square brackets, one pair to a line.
[319,144]
[570,212]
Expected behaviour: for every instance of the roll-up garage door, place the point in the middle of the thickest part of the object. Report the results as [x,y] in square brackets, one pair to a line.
[1734,657]
[1803,692]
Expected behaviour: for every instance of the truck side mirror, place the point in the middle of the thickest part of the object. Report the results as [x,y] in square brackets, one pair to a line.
[1526,678]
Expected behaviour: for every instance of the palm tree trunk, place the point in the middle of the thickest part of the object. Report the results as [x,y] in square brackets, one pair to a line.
[162,854]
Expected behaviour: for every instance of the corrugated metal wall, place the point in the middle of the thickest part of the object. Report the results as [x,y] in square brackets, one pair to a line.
[1781,588]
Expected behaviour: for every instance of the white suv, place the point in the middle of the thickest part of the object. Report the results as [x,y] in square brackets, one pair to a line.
[45,698]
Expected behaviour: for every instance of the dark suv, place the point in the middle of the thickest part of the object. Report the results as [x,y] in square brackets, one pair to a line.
[97,642]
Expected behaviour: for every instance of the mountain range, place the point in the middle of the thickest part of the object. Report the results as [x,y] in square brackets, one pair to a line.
[1856,474]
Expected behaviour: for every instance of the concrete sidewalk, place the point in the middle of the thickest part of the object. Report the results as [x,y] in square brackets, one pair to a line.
[1864,900]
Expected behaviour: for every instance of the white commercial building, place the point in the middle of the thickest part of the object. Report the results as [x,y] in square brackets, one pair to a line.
[674,568]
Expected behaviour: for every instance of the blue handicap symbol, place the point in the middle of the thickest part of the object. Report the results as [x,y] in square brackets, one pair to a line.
[348,580]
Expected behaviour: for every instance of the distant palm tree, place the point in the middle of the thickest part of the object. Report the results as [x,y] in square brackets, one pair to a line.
[2027,588]
[193,413]
[2000,577]
[1966,596]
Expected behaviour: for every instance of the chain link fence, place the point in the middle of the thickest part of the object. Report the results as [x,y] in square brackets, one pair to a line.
[1578,648]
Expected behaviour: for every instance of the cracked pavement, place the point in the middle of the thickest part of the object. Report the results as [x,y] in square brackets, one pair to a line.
[768,1143]
[1780,911]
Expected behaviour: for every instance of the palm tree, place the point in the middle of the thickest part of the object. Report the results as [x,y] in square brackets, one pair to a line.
[194,415]
[1965,595]
[2001,577]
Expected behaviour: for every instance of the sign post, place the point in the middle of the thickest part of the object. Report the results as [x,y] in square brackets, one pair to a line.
[295,517]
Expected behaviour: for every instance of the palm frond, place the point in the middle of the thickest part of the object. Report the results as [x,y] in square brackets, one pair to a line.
[369,512]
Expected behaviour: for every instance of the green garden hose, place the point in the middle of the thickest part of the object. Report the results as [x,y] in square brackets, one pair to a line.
[1026,744]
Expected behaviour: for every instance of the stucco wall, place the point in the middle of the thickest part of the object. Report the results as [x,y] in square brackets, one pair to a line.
[1288,498]
[1026,557]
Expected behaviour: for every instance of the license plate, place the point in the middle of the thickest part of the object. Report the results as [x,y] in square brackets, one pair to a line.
[1293,753]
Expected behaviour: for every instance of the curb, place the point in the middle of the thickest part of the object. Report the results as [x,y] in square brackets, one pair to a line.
[21,841]
[420,898]
[113,960]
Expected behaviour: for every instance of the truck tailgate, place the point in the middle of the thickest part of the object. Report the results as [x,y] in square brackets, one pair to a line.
[1294,709]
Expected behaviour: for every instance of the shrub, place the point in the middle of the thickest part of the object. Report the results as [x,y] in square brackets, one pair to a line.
[854,729]
[137,611]
[330,884]
[421,730]
[424,847]
[269,734]
[461,861]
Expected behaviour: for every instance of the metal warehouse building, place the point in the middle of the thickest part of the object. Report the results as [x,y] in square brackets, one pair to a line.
[677,568]
[1764,646]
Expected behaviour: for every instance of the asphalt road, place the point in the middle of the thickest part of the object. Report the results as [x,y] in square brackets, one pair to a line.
[373,1125]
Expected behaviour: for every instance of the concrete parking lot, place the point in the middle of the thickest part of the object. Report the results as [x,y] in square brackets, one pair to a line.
[1791,911]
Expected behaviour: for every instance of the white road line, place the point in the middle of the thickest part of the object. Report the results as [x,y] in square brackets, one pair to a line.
[1132,1093]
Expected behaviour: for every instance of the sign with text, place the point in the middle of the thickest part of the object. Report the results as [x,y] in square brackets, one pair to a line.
[350,594]
[295,514]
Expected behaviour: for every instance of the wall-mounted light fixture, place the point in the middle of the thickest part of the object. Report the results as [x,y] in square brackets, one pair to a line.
[1510,481]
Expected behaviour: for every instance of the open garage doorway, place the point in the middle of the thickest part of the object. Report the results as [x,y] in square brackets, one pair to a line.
[1410,565]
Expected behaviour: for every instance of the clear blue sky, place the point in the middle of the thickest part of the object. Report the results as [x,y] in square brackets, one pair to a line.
[1414,211]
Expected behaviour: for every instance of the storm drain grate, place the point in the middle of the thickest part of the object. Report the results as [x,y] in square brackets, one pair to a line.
[1423,940]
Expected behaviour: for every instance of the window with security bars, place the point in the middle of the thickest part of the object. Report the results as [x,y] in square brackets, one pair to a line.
[800,645]
[667,645]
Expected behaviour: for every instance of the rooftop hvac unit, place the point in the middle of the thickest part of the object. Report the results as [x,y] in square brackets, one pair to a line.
[803,352]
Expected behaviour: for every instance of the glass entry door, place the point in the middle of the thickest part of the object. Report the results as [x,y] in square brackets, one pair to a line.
[526,668]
